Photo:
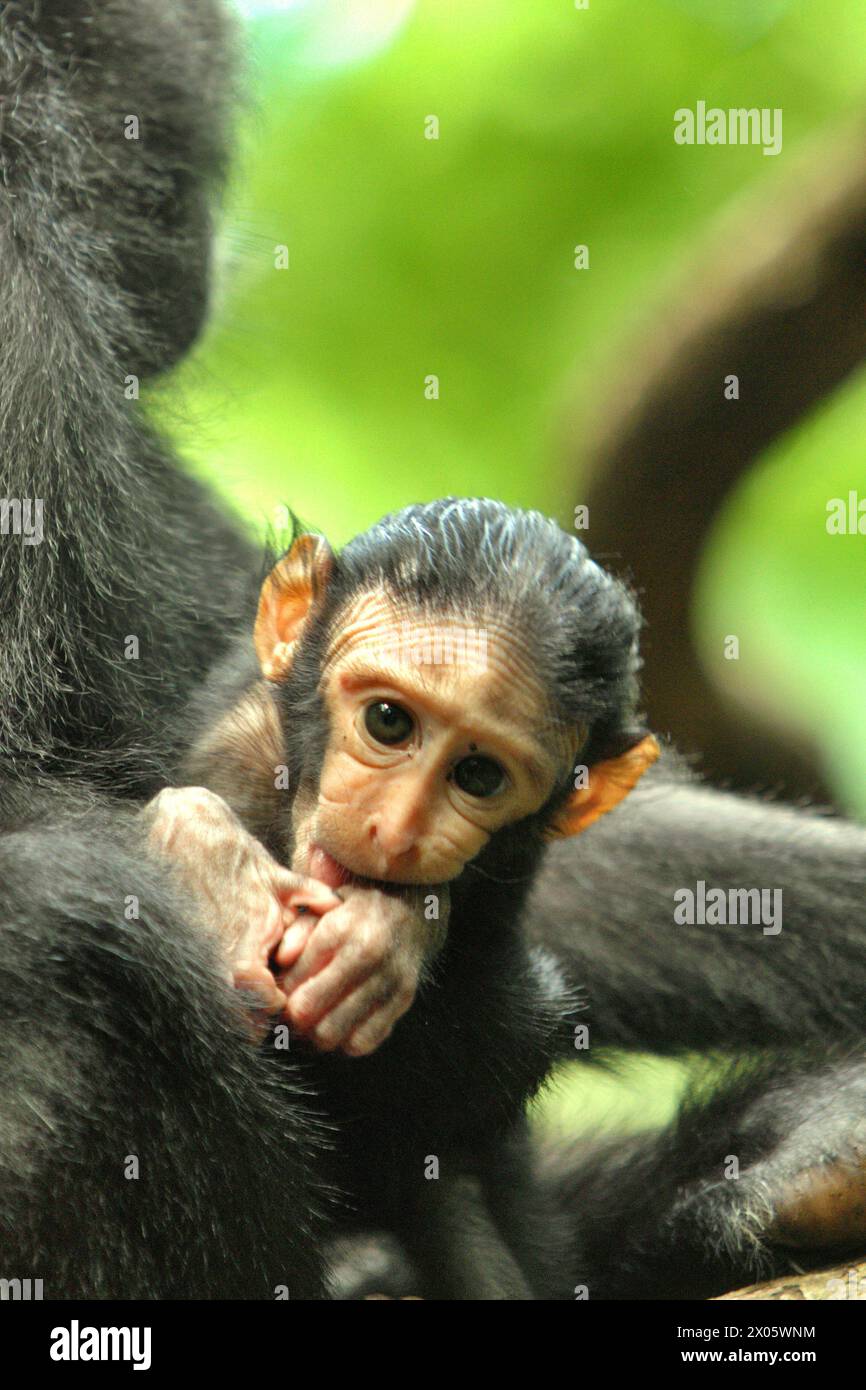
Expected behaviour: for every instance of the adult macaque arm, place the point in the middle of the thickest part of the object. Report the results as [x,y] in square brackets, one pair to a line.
[452,1248]
[604,903]
[458,1246]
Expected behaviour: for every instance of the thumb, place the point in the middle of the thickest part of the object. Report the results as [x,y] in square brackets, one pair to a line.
[294,940]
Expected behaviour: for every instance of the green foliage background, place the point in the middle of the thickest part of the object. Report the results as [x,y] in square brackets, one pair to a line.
[454,256]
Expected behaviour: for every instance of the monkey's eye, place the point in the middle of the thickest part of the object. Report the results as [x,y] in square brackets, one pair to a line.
[477,776]
[388,723]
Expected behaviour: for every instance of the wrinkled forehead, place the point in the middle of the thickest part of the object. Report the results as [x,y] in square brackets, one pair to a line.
[484,668]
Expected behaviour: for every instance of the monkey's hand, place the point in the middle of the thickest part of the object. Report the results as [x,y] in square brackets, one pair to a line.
[351,973]
[241,892]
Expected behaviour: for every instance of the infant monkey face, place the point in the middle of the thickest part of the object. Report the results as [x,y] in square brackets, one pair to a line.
[423,762]
[425,759]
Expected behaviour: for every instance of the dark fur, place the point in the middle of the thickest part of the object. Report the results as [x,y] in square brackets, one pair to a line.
[658,1215]
[104,249]
[604,902]
[653,1215]
[118,1037]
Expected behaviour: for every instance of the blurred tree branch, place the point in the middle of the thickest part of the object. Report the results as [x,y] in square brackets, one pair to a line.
[777,297]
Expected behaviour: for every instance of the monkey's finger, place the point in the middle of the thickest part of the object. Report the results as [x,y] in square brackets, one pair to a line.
[295,890]
[317,995]
[321,948]
[378,1026]
[373,998]
[295,938]
[254,978]
[336,1027]
[266,931]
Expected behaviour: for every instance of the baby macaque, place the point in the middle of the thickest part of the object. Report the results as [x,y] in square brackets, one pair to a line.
[362,794]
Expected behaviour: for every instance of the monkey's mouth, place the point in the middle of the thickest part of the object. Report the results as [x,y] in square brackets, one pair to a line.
[331,872]
[327,869]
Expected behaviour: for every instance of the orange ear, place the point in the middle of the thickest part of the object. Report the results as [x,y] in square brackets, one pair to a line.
[609,782]
[291,589]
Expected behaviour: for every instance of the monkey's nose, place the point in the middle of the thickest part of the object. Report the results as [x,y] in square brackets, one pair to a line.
[393,839]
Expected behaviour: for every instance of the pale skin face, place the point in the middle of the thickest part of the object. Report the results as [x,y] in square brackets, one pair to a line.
[424,761]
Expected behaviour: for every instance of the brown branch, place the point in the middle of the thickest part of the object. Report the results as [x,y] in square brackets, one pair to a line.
[846,1281]
[778,298]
